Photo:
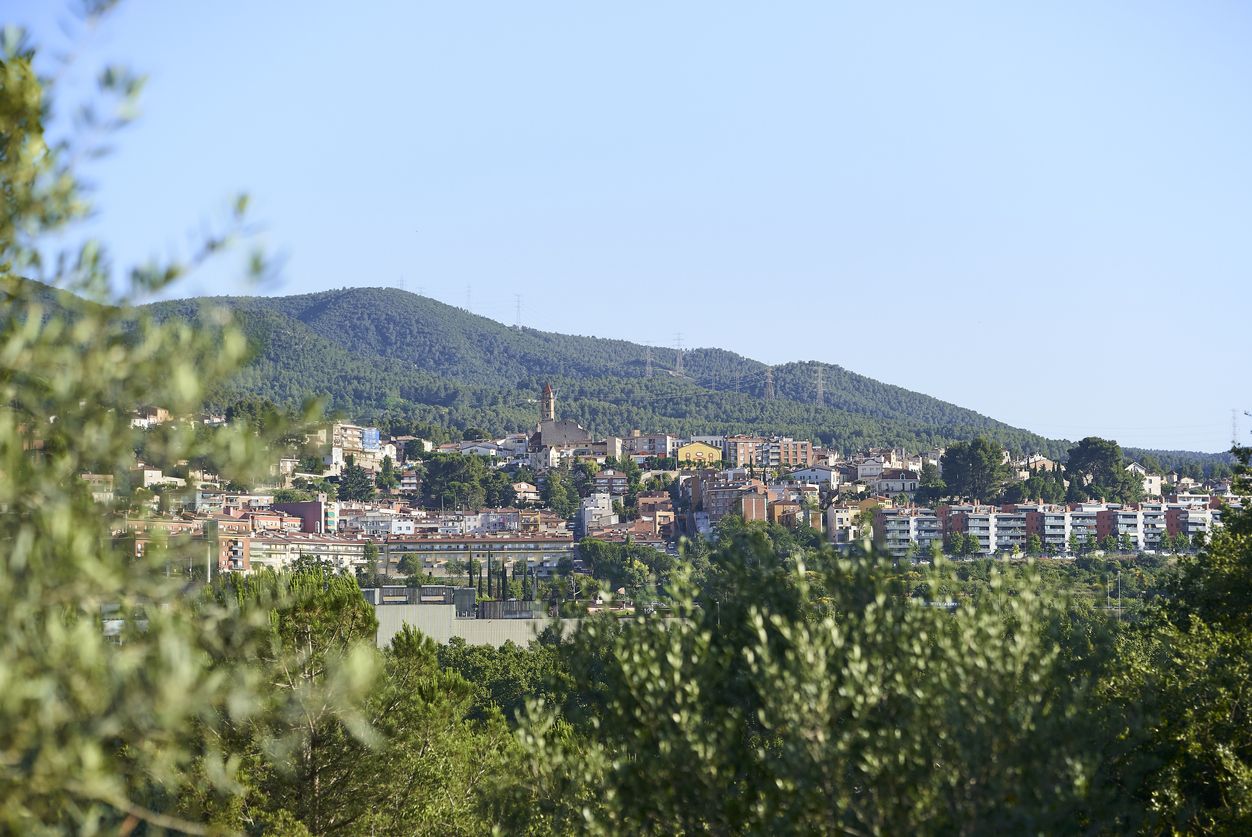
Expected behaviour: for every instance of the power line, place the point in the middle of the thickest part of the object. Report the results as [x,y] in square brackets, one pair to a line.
[821,388]
[518,299]
[769,383]
[647,355]
[678,360]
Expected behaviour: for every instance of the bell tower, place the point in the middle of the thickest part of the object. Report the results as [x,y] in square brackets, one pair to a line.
[547,404]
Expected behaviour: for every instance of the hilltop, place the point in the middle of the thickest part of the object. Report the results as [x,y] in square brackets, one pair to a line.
[379,353]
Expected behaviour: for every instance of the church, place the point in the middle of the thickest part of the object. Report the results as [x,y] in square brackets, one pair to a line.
[550,432]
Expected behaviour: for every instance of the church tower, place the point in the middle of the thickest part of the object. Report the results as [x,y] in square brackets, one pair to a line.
[547,404]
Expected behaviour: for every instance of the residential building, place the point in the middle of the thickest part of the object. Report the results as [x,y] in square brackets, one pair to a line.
[595,512]
[611,481]
[741,451]
[100,486]
[526,493]
[821,475]
[317,517]
[431,553]
[660,445]
[901,531]
[785,452]
[893,481]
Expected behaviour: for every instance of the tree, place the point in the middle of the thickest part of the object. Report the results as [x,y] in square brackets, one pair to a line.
[387,480]
[1180,677]
[931,487]
[975,469]
[1097,464]
[559,493]
[1034,544]
[103,731]
[764,683]
[354,482]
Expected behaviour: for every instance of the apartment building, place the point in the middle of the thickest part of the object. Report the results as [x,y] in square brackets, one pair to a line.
[785,452]
[741,451]
[431,553]
[652,444]
[612,482]
[902,530]
[279,550]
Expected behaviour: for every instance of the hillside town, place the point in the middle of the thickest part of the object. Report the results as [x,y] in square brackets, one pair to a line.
[379,507]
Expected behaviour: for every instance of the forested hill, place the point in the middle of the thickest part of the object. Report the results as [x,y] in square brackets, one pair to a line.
[382,353]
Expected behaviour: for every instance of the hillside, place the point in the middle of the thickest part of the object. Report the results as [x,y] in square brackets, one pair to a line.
[383,354]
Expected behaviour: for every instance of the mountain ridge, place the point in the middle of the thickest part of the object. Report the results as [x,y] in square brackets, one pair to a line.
[379,353]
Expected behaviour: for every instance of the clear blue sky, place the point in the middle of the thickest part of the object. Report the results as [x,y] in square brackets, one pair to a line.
[1040,211]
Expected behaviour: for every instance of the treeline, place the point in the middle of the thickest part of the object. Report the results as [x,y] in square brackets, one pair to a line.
[1094,469]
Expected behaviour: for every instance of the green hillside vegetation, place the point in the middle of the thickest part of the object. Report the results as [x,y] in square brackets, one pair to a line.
[391,357]
[400,360]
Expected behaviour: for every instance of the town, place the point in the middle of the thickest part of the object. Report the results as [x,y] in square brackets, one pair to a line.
[505,515]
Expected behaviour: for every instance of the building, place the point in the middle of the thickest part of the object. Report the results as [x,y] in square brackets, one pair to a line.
[660,445]
[551,433]
[612,482]
[843,524]
[526,494]
[279,550]
[595,512]
[376,524]
[820,475]
[430,554]
[317,517]
[741,451]
[894,481]
[901,531]
[1152,483]
[870,468]
[698,454]
[785,452]
[100,486]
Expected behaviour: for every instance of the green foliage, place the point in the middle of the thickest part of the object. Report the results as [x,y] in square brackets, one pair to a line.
[975,469]
[559,493]
[815,699]
[387,479]
[354,482]
[117,687]
[1041,486]
[1097,466]
[1215,585]
[624,565]
[457,481]
[930,486]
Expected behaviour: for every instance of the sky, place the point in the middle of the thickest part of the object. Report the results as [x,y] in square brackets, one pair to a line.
[1042,211]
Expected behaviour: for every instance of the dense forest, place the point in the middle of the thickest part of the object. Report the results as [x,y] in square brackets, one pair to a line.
[379,354]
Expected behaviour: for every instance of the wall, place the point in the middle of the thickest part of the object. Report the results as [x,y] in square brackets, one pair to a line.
[439,622]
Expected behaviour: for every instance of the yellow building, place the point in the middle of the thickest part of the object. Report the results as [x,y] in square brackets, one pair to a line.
[698,453]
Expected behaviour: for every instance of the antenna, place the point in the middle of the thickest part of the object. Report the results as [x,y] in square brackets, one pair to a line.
[402,281]
[469,298]
[647,356]
[678,362]
[821,387]
[518,298]
[769,383]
